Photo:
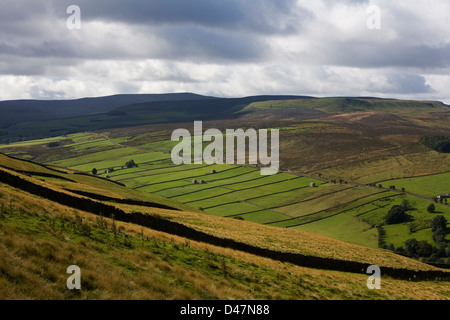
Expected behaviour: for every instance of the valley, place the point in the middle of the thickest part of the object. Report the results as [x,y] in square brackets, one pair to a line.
[344,163]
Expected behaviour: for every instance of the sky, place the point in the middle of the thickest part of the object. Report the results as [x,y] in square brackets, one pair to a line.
[225,48]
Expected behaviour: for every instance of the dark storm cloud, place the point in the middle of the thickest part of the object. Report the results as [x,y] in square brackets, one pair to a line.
[231,45]
[363,54]
[210,31]
[407,84]
[259,16]
[214,31]
[194,43]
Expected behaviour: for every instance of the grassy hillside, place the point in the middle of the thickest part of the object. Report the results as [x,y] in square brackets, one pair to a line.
[363,155]
[145,264]
[122,260]
[346,211]
[20,111]
[28,120]
[348,105]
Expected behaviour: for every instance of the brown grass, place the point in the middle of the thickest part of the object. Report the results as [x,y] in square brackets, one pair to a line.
[34,257]
[33,264]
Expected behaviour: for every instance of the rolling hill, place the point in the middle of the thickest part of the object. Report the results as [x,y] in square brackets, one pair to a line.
[31,119]
[20,111]
[162,251]
[354,150]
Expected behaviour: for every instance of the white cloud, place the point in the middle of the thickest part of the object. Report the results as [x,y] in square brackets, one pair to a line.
[319,47]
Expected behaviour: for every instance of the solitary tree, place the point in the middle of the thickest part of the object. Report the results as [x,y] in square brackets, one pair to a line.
[94,171]
[395,215]
[130,164]
[431,208]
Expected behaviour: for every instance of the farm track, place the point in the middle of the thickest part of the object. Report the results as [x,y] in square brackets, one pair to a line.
[111,140]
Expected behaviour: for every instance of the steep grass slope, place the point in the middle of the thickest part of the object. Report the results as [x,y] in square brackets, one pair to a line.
[39,239]
[170,254]
[263,240]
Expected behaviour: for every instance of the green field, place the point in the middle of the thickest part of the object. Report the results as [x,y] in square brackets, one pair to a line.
[427,186]
[340,205]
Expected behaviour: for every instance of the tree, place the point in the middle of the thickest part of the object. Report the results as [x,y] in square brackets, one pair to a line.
[94,171]
[439,229]
[439,236]
[437,143]
[53,144]
[438,223]
[396,214]
[406,205]
[130,164]
[411,247]
[431,208]
[400,250]
[424,249]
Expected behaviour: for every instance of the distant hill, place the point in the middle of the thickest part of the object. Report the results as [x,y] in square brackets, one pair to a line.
[33,119]
[19,111]
[146,252]
[351,104]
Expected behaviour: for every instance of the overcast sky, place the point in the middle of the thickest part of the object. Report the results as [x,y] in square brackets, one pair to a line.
[227,48]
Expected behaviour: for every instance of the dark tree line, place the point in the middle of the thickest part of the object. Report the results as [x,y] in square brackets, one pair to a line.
[436,143]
